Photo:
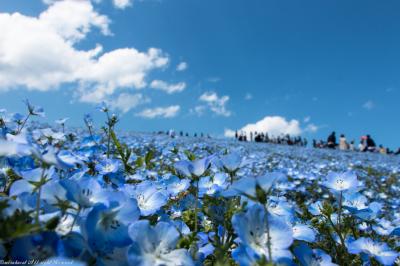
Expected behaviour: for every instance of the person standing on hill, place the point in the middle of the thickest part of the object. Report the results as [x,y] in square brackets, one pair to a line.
[371,146]
[343,143]
[332,140]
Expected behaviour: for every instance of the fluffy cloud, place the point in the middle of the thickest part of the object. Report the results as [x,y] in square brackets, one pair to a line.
[215,103]
[125,101]
[168,88]
[369,105]
[273,125]
[164,112]
[39,53]
[121,4]
[182,66]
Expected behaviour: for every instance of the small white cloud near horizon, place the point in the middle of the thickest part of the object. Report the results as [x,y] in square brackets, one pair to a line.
[273,125]
[160,112]
[311,128]
[215,104]
[168,88]
[369,105]
[307,119]
[182,66]
[248,96]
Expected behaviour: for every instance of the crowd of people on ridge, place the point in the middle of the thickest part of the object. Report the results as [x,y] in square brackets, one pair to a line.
[261,137]
[366,144]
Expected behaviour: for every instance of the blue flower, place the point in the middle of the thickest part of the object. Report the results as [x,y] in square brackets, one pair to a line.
[156,245]
[108,166]
[307,256]
[85,192]
[193,168]
[232,161]
[148,197]
[107,226]
[38,246]
[303,232]
[247,185]
[251,227]
[174,185]
[341,182]
[380,251]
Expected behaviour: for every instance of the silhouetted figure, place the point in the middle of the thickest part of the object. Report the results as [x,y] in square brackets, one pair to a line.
[370,143]
[331,141]
[343,143]
[236,135]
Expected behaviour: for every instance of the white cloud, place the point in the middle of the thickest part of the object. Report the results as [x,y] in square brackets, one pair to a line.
[229,133]
[73,27]
[311,128]
[39,53]
[215,103]
[164,112]
[182,66]
[248,96]
[307,119]
[121,4]
[369,105]
[168,88]
[273,125]
[126,101]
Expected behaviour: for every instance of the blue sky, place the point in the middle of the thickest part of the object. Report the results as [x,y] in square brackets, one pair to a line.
[329,65]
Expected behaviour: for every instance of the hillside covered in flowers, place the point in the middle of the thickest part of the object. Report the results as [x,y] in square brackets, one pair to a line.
[92,196]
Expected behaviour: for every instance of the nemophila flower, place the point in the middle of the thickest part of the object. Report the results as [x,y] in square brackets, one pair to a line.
[212,185]
[193,168]
[309,257]
[175,185]
[34,110]
[85,191]
[303,232]
[341,182]
[30,180]
[51,157]
[156,245]
[62,121]
[106,226]
[380,251]
[11,148]
[252,230]
[148,197]
[38,246]
[18,118]
[247,185]
[383,227]
[108,166]
[231,162]
[103,107]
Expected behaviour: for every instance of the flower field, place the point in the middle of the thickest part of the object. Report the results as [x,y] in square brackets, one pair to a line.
[93,196]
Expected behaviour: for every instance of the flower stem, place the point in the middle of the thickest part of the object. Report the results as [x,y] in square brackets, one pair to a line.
[23,123]
[196,207]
